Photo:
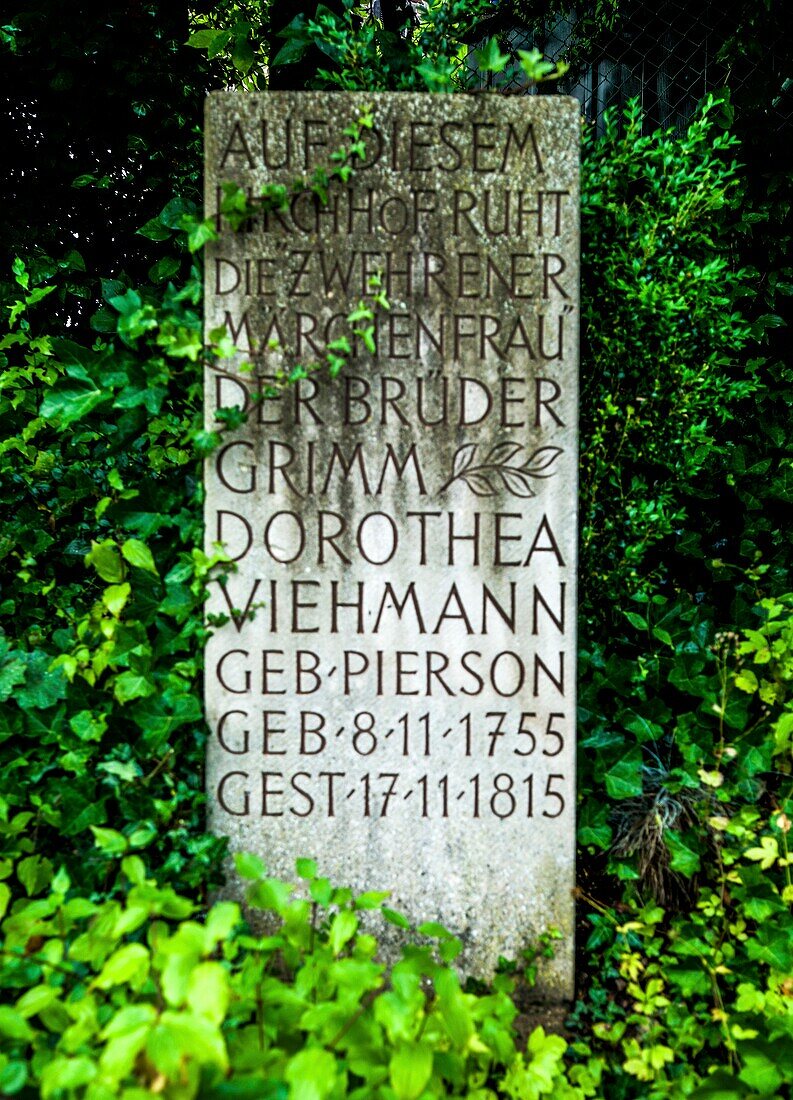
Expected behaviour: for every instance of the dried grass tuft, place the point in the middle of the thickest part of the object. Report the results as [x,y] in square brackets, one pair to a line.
[640,827]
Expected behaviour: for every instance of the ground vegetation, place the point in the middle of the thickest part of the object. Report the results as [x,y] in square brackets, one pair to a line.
[118,976]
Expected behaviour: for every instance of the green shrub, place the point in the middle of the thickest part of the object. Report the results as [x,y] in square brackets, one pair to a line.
[133,997]
[685,764]
[136,991]
[665,378]
[694,996]
[100,648]
[345,47]
[661,366]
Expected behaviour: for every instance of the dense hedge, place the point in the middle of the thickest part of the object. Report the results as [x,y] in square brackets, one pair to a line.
[115,980]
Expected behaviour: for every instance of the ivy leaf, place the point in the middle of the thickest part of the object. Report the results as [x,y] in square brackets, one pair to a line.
[684,859]
[173,213]
[164,268]
[759,1067]
[132,685]
[546,1054]
[711,778]
[689,980]
[593,826]
[69,401]
[115,597]
[106,560]
[103,321]
[34,873]
[43,686]
[127,304]
[490,59]
[109,841]
[773,945]
[750,998]
[757,759]
[537,70]
[624,779]
[767,854]
[199,233]
[138,554]
[111,288]
[155,230]
[12,672]
[124,769]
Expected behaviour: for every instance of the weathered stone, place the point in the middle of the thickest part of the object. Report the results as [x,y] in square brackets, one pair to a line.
[399,699]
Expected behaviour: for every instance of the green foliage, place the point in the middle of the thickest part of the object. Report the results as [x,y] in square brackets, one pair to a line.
[101,619]
[116,980]
[134,996]
[425,50]
[684,720]
[490,59]
[353,46]
[661,377]
[102,634]
[682,728]
[237,207]
[770,647]
[705,976]
[363,55]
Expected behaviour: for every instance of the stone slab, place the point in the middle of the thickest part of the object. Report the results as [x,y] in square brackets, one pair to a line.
[399,699]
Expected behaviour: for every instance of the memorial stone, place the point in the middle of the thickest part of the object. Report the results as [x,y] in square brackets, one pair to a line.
[391,688]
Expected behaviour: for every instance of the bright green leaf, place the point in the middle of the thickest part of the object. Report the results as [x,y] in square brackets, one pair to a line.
[128,965]
[138,554]
[410,1069]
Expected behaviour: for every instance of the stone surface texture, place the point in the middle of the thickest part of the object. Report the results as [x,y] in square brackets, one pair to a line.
[394,693]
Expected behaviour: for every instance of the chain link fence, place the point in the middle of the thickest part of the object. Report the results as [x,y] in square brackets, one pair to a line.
[668,53]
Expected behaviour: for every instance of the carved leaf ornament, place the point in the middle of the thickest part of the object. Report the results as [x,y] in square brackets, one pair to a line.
[502,468]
